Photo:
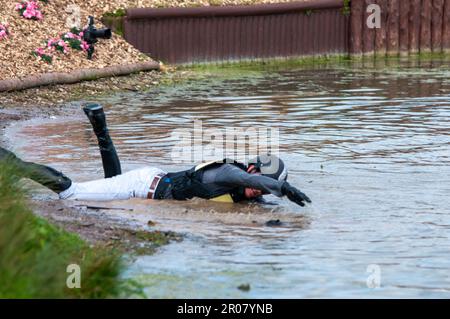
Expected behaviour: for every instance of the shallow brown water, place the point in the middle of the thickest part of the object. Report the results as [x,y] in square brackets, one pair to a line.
[370,144]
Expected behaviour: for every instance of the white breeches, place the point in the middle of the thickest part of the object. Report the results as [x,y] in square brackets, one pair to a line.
[135,183]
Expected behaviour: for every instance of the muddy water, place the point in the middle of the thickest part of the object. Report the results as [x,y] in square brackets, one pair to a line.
[370,144]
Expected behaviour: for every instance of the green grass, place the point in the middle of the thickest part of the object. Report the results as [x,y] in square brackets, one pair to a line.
[243,67]
[35,255]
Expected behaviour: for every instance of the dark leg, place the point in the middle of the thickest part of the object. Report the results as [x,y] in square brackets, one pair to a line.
[111,162]
[44,175]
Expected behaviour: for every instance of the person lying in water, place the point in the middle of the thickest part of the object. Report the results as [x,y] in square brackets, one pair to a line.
[225,181]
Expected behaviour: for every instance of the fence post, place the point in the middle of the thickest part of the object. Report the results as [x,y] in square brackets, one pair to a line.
[405,6]
[381,34]
[446,27]
[356,26]
[368,33]
[436,23]
[425,27]
[414,26]
[393,27]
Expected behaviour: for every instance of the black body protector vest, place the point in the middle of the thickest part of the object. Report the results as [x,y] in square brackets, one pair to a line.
[188,184]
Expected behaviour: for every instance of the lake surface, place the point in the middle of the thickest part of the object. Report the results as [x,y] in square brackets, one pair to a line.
[369,143]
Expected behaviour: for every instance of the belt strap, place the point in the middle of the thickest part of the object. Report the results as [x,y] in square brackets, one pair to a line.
[154,185]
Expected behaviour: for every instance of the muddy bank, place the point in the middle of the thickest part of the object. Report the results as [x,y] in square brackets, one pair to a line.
[95,225]
[55,96]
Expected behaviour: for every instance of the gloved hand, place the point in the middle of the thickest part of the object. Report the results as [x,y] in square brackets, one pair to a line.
[294,194]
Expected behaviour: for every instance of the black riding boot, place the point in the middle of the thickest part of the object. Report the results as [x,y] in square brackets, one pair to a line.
[111,162]
[44,175]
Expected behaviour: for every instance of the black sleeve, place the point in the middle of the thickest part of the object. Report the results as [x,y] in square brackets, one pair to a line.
[230,175]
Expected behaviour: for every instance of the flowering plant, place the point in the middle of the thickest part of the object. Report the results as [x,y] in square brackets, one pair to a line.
[69,40]
[74,39]
[40,52]
[56,44]
[4,32]
[29,10]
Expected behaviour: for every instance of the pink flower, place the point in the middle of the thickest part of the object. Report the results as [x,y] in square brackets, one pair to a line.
[84,46]
[39,51]
[29,10]
[27,14]
[4,32]
[32,5]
